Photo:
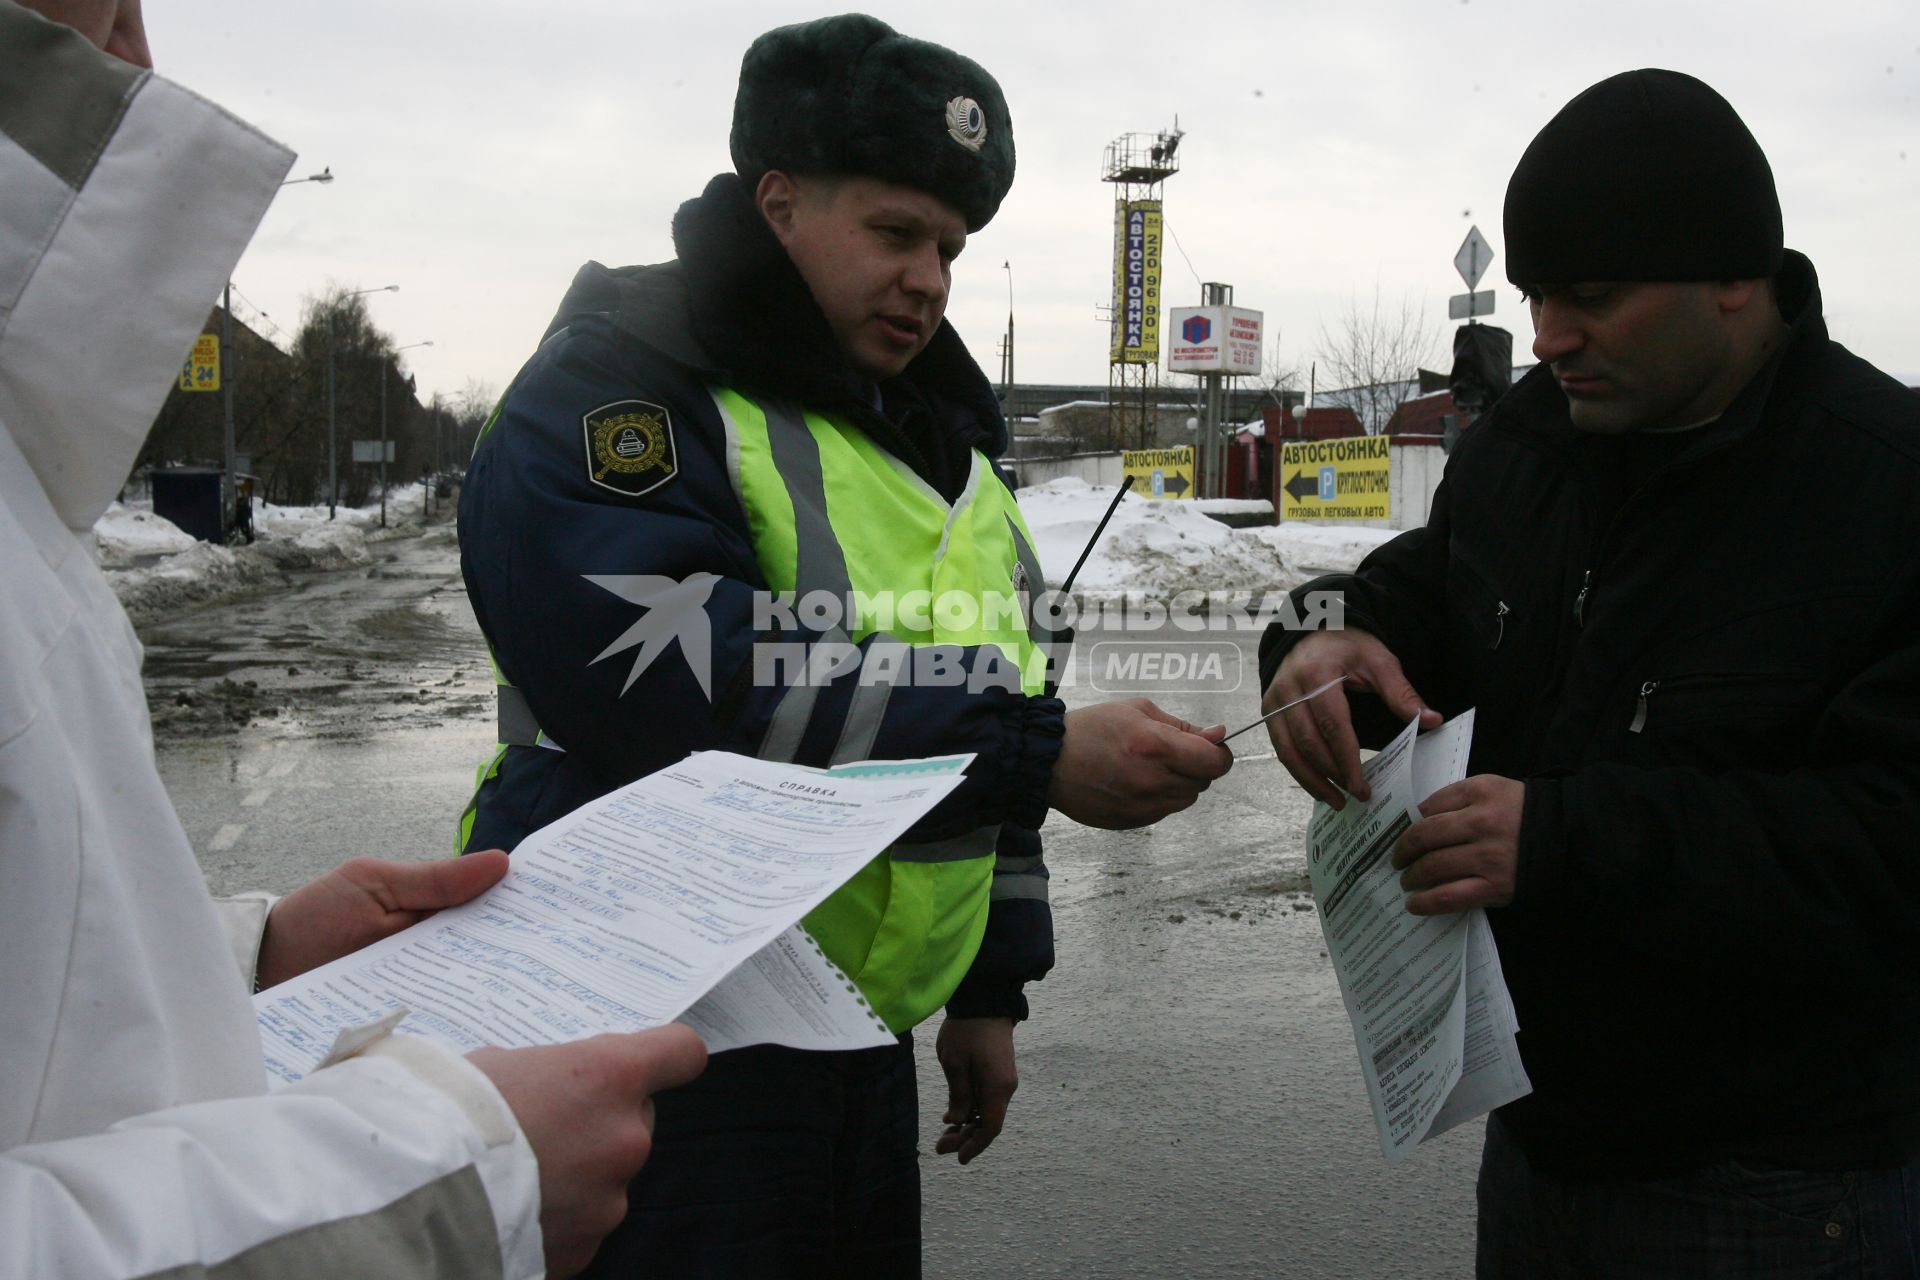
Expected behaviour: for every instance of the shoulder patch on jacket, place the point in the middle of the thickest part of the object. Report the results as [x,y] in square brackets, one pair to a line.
[629,445]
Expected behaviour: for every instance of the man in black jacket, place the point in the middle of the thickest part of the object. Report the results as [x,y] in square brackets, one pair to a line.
[1677,570]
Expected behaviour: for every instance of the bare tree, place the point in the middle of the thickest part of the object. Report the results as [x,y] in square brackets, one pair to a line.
[1373,354]
[471,408]
[1276,375]
[474,402]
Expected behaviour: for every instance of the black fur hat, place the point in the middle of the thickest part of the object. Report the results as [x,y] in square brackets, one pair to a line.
[1648,175]
[850,95]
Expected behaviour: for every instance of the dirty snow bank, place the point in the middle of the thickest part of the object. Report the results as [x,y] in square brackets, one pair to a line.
[1314,549]
[156,568]
[1161,548]
[128,536]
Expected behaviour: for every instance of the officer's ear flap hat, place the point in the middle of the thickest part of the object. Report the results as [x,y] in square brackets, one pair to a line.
[1648,175]
[849,95]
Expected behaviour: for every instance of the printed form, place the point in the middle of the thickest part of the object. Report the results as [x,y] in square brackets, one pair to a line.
[678,896]
[1429,1006]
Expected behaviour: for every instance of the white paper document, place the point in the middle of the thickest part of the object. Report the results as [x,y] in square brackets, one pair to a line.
[678,896]
[1429,1006]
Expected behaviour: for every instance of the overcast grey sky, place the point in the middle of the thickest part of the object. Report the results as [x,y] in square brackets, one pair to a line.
[485,149]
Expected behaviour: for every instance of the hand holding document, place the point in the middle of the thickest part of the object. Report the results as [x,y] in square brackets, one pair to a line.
[1430,1011]
[678,896]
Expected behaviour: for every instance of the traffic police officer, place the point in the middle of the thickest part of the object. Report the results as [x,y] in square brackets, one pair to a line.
[783,409]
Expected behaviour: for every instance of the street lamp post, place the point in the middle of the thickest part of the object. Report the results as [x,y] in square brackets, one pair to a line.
[229,492]
[333,426]
[229,497]
[383,426]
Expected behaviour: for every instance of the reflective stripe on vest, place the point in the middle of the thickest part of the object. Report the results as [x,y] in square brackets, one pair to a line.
[832,511]
[514,726]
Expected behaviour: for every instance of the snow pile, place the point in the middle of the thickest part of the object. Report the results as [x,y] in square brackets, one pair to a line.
[405,504]
[128,536]
[1314,549]
[155,568]
[292,539]
[1232,506]
[1160,548]
[200,573]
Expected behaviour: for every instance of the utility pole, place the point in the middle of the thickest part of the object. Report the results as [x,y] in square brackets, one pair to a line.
[1213,450]
[228,489]
[383,443]
[227,493]
[333,432]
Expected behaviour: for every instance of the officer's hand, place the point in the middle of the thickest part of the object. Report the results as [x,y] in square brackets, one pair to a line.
[362,901]
[1465,850]
[1129,764]
[1315,740]
[977,1055]
[587,1112]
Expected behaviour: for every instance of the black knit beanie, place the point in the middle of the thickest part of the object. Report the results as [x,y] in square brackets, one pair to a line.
[1648,175]
[849,95]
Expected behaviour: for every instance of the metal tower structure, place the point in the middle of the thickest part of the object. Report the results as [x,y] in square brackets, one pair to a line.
[1137,164]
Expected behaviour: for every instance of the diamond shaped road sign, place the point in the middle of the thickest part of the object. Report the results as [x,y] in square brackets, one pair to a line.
[1471,262]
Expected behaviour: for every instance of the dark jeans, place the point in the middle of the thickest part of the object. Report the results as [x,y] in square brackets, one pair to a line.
[779,1163]
[1727,1220]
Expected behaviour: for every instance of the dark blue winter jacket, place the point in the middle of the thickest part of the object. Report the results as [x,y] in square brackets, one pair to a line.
[539,522]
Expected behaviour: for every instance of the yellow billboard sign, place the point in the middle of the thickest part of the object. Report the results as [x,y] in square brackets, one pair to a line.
[1136,282]
[1348,479]
[1160,473]
[201,372]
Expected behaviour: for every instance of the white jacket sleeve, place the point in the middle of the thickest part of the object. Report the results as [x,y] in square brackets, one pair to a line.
[282,1185]
[134,1138]
[244,919]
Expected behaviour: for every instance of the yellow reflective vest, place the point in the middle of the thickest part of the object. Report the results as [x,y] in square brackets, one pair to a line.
[833,512]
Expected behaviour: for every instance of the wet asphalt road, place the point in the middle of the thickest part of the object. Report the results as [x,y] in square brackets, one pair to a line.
[1189,1104]
[342,714]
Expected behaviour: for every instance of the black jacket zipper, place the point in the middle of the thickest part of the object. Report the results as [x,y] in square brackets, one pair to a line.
[1640,706]
[1647,690]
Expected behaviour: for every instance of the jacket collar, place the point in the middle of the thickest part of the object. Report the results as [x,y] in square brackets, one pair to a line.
[122,224]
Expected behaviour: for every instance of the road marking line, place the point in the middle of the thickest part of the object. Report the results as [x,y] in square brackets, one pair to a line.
[256,798]
[282,769]
[228,836]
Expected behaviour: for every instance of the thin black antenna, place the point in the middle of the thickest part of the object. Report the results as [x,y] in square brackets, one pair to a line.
[1098,530]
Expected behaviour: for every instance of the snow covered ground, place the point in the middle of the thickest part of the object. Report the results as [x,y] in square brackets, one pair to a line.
[1160,548]
[1151,549]
[154,567]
